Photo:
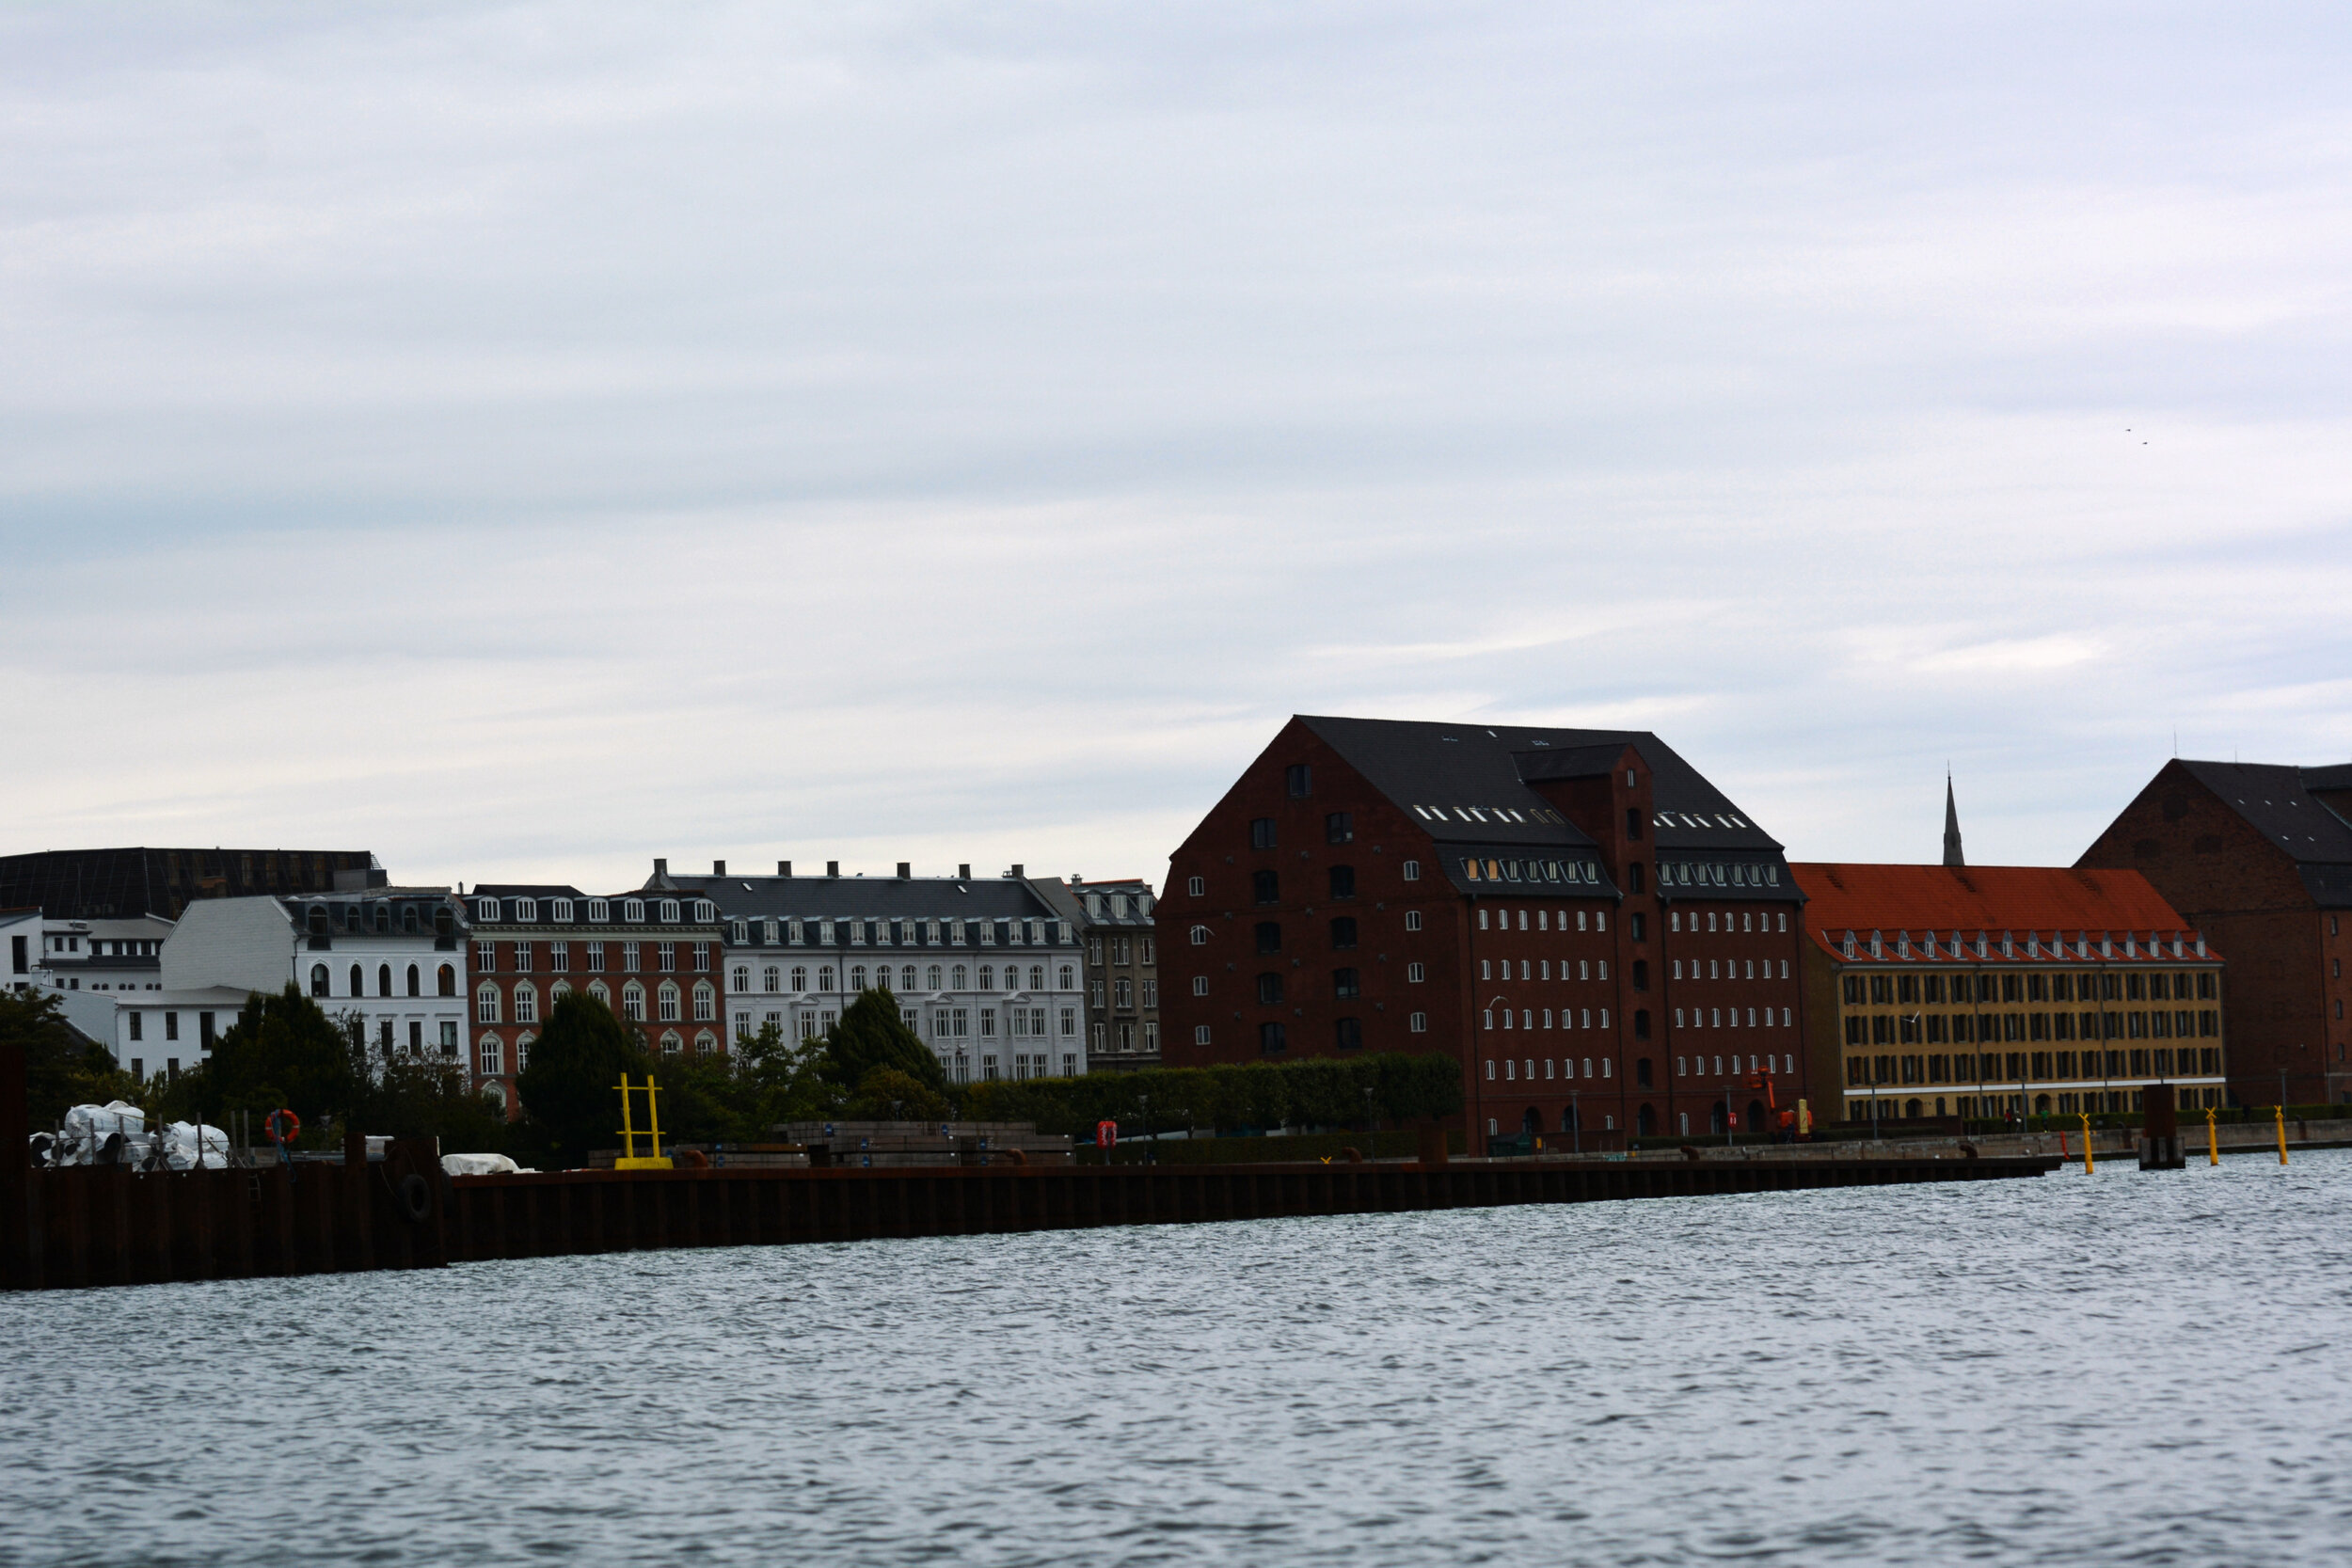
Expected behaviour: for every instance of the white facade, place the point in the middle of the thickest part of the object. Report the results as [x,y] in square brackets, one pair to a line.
[123,955]
[20,948]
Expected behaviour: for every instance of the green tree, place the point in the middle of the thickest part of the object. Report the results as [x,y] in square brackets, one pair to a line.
[410,1098]
[62,1070]
[570,1092]
[282,1051]
[886,1094]
[871,1034]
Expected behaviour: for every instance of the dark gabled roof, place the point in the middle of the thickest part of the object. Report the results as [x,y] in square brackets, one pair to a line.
[2338,776]
[2276,802]
[869,897]
[1485,767]
[526,890]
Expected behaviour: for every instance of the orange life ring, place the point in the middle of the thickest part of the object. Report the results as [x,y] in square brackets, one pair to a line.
[283,1126]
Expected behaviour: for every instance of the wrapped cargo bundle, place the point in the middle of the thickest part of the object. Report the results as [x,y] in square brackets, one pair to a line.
[114,1133]
[189,1146]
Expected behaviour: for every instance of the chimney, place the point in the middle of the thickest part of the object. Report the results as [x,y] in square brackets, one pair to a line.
[783,868]
[1016,870]
[662,868]
[833,868]
[963,873]
[718,869]
[906,870]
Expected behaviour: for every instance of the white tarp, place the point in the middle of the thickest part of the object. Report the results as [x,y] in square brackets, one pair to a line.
[87,1128]
[187,1146]
[479,1164]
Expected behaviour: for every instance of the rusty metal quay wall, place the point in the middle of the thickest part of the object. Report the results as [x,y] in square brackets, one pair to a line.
[78,1227]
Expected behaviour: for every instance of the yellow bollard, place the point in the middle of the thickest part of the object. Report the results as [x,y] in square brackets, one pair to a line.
[2087,1167]
[2282,1134]
[2212,1140]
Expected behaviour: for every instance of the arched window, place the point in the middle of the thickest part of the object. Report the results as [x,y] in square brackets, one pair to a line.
[987,977]
[490,1056]
[496,1091]
[906,978]
[447,980]
[705,1043]
[857,976]
[1069,978]
[358,981]
[526,1003]
[383,980]
[933,974]
[671,1044]
[741,978]
[485,1004]
[596,991]
[667,1001]
[557,991]
[773,977]
[633,1003]
[318,980]
[799,979]
[383,917]
[416,981]
[706,1002]
[824,978]
[962,978]
[522,1049]
[1037,977]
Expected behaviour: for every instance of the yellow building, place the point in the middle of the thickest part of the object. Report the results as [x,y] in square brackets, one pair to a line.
[1946,991]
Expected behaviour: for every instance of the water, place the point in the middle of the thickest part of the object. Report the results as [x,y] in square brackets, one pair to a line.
[2077,1370]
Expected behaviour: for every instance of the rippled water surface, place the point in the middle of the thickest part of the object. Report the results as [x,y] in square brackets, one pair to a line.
[2076,1369]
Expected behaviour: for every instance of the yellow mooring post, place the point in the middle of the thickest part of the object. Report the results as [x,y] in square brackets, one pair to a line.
[2212,1139]
[630,1159]
[2088,1166]
[2282,1134]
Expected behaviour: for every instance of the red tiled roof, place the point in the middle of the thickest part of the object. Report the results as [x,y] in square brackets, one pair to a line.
[1973,898]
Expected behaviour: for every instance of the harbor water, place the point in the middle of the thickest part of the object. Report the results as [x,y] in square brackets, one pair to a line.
[2079,1370]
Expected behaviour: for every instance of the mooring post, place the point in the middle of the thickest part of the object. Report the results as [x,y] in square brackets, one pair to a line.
[2160,1129]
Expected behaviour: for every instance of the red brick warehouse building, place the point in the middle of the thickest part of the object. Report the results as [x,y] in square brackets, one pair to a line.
[1601,937]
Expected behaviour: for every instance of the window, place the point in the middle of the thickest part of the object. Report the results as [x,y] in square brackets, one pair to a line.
[318,980]
[1417,1024]
[485,1004]
[1270,1038]
[526,1003]
[1270,988]
[1269,936]
[633,1001]
[1411,870]
[1342,931]
[1414,975]
[800,978]
[1200,935]
[1343,881]
[665,954]
[629,960]
[1346,983]
[1299,780]
[1262,832]
[486,959]
[1151,990]
[1348,1034]
[667,1001]
[1197,886]
[1412,920]
[1265,887]
[706,1003]
[1339,827]
[447,979]
[596,958]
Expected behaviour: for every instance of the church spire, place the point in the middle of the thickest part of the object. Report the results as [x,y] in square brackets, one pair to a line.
[1951,826]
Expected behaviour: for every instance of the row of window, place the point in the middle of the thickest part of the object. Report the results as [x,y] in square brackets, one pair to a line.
[1955,947]
[1526,1017]
[1349,1033]
[903,932]
[2066,1105]
[1770,1063]
[1525,816]
[939,1024]
[1542,920]
[1339,827]
[1750,920]
[2021,1066]
[667,912]
[1733,969]
[1717,874]
[1122,950]
[490,1051]
[137,1022]
[2061,986]
[1963,1028]
[488,1003]
[1122,992]
[376,916]
[520,956]
[1476,870]
[1728,1017]
[1540,968]
[444,980]
[1567,1066]
[1125,1037]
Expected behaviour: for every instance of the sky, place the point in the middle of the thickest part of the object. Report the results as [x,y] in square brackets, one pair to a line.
[524,440]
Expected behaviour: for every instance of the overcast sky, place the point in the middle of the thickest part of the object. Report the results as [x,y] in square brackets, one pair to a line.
[523,440]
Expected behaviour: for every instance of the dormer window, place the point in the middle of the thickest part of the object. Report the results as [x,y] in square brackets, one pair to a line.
[599,909]
[705,912]
[526,909]
[739,933]
[318,920]
[633,911]
[486,908]
[353,916]
[669,911]
[383,917]
[560,911]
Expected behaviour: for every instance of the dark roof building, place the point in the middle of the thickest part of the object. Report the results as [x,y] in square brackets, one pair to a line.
[1579,915]
[985,969]
[1116,932]
[2259,856]
[113,884]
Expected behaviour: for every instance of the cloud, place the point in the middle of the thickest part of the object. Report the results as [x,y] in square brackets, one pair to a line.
[525,439]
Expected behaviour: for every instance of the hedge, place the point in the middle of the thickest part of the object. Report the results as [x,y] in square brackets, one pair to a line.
[1321,1092]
